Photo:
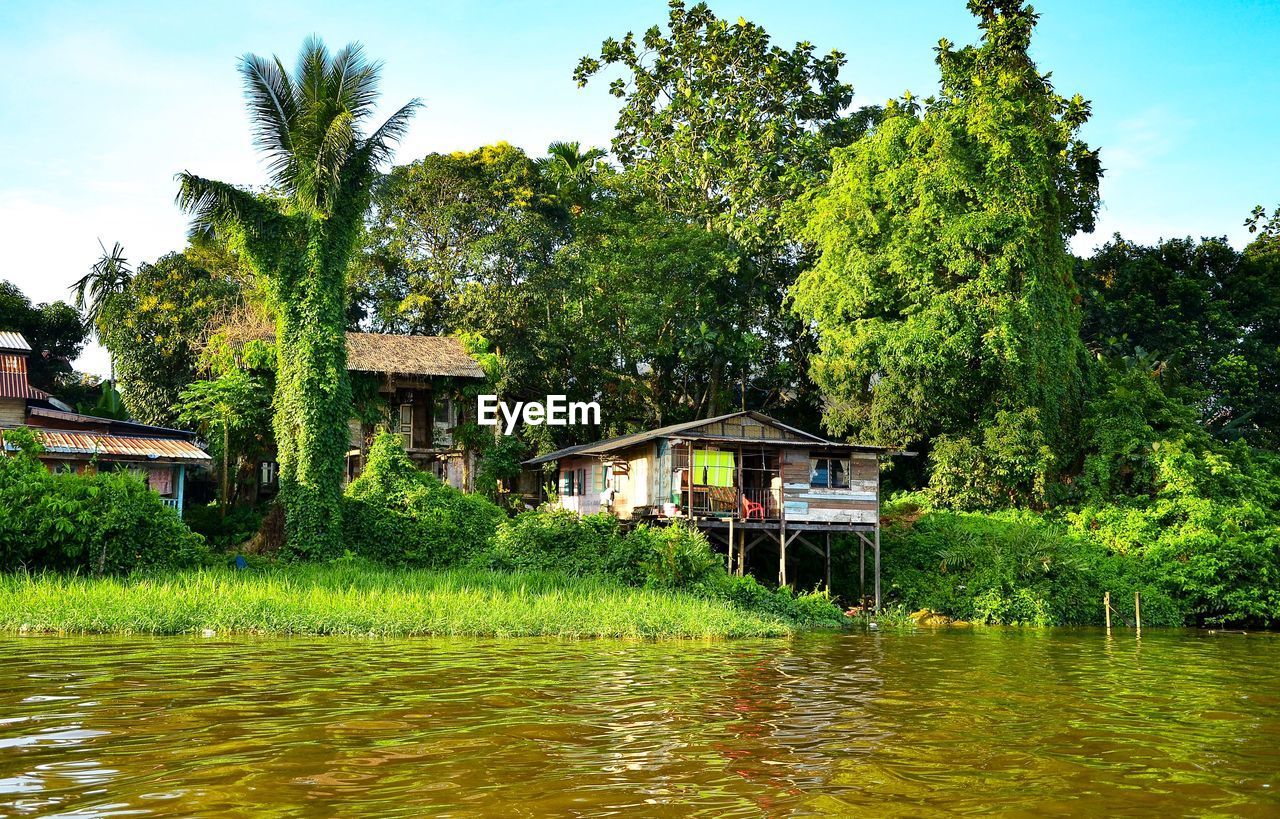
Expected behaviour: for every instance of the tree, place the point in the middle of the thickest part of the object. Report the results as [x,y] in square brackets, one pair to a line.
[300,239]
[109,405]
[231,410]
[156,326]
[570,170]
[56,334]
[106,279]
[723,128]
[943,295]
[456,239]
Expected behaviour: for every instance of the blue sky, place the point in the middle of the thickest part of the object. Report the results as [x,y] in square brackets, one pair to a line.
[104,103]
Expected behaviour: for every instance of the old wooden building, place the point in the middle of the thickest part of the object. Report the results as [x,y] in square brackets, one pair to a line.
[745,479]
[419,380]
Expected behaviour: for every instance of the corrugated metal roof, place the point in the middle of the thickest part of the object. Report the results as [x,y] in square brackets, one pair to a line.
[13,376]
[688,430]
[116,447]
[147,430]
[9,340]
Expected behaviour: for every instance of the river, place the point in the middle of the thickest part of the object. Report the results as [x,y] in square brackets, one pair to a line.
[883,724]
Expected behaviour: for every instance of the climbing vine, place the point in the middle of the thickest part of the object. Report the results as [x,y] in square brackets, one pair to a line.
[299,240]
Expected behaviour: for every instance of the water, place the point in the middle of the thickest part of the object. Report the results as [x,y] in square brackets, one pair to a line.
[1017,721]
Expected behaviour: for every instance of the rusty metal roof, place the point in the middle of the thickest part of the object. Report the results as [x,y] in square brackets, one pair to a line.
[13,376]
[116,447]
[109,425]
[9,340]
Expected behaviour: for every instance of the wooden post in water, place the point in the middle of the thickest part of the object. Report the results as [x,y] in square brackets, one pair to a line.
[1106,607]
[1137,611]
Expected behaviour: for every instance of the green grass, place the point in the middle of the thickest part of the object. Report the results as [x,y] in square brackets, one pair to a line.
[360,600]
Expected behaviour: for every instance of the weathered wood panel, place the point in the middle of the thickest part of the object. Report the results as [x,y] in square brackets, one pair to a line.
[13,411]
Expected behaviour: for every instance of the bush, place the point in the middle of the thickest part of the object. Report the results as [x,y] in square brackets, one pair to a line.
[397,514]
[108,521]
[1015,567]
[669,557]
[813,609]
[224,532]
[675,556]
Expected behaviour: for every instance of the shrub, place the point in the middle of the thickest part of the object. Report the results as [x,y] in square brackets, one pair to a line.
[224,532]
[559,540]
[1015,567]
[675,556]
[812,609]
[397,514]
[105,521]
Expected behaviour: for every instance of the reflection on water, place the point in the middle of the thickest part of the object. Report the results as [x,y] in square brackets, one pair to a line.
[1024,722]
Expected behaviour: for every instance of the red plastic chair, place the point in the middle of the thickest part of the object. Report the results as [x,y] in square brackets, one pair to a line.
[751,509]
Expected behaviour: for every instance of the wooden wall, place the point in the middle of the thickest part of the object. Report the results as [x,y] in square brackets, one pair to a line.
[857,504]
[13,411]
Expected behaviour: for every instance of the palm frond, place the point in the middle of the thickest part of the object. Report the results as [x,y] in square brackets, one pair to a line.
[215,205]
[353,82]
[274,112]
[381,142]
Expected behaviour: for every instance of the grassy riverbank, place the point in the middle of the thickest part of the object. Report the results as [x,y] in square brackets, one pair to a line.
[353,600]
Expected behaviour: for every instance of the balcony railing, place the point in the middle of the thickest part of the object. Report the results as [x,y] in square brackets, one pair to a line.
[726,501]
[172,503]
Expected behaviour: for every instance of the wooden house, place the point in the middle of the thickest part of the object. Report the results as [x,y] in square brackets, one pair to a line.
[744,478]
[420,379]
[75,442]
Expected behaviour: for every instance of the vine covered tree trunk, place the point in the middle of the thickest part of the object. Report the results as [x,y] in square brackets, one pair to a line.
[313,399]
[299,239]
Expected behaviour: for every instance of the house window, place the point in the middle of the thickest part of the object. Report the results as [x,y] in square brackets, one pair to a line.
[268,473]
[828,473]
[582,482]
[442,422]
[406,425]
[566,483]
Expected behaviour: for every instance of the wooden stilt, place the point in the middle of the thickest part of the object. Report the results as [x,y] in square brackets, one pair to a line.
[732,515]
[782,552]
[828,562]
[877,567]
[742,552]
[1137,611]
[862,571]
[1106,608]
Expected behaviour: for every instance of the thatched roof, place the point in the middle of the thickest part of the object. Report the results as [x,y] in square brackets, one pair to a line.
[387,353]
[410,355]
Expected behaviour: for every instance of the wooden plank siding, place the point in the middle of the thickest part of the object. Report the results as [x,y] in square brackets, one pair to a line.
[859,503]
[13,411]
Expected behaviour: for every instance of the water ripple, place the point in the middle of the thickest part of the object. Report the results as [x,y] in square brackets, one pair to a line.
[987,720]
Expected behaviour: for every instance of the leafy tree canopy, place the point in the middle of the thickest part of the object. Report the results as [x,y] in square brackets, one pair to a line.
[1207,312]
[943,295]
[155,325]
[723,125]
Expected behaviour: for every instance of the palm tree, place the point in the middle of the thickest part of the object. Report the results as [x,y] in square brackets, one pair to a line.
[299,238]
[109,276]
[570,169]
